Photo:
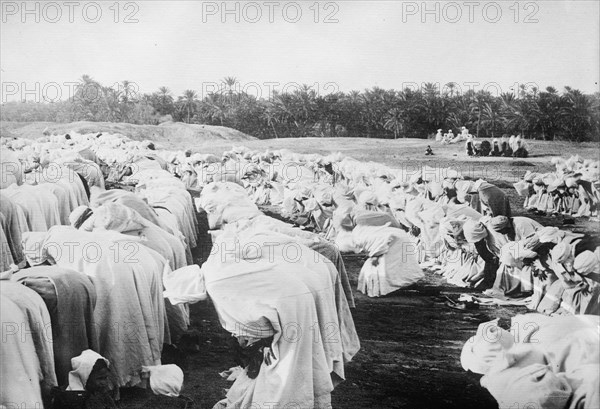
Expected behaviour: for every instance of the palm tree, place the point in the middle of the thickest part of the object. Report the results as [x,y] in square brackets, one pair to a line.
[230,84]
[547,111]
[476,107]
[451,86]
[163,101]
[576,114]
[215,108]
[188,101]
[165,96]
[394,121]
[491,116]
[270,116]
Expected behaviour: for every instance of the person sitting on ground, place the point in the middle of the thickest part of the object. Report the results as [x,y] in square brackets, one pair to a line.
[520,151]
[464,132]
[488,199]
[581,294]
[515,228]
[495,148]
[428,151]
[484,149]
[476,233]
[92,373]
[469,146]
[505,149]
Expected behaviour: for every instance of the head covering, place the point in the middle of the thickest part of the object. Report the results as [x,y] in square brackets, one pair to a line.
[435,188]
[485,347]
[474,231]
[532,385]
[571,182]
[34,248]
[449,231]
[452,227]
[532,242]
[397,202]
[550,234]
[82,368]
[165,380]
[368,197]
[452,174]
[476,185]
[342,218]
[561,252]
[324,197]
[414,179]
[310,205]
[529,176]
[522,252]
[554,185]
[586,263]
[499,223]
[79,216]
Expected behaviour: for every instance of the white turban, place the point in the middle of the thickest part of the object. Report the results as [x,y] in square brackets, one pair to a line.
[561,252]
[586,263]
[165,380]
[535,385]
[33,247]
[79,218]
[82,368]
[397,202]
[474,231]
[484,348]
[450,227]
[368,197]
[324,197]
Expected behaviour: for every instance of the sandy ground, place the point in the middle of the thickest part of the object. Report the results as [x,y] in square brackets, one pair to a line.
[167,134]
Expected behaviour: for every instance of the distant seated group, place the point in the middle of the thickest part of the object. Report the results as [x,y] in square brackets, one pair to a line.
[505,147]
[513,146]
[449,138]
[571,190]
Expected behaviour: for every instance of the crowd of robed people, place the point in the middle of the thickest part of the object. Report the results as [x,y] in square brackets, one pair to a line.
[403,219]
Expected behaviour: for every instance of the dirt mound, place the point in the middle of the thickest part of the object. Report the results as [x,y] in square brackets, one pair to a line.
[170,134]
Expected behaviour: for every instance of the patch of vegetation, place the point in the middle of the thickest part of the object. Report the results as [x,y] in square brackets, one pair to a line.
[372,113]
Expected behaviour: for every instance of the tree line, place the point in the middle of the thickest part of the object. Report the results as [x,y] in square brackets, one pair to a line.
[537,114]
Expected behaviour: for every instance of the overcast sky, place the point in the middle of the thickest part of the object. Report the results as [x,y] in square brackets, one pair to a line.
[342,45]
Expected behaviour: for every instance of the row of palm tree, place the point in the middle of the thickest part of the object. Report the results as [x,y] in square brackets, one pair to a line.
[375,112]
